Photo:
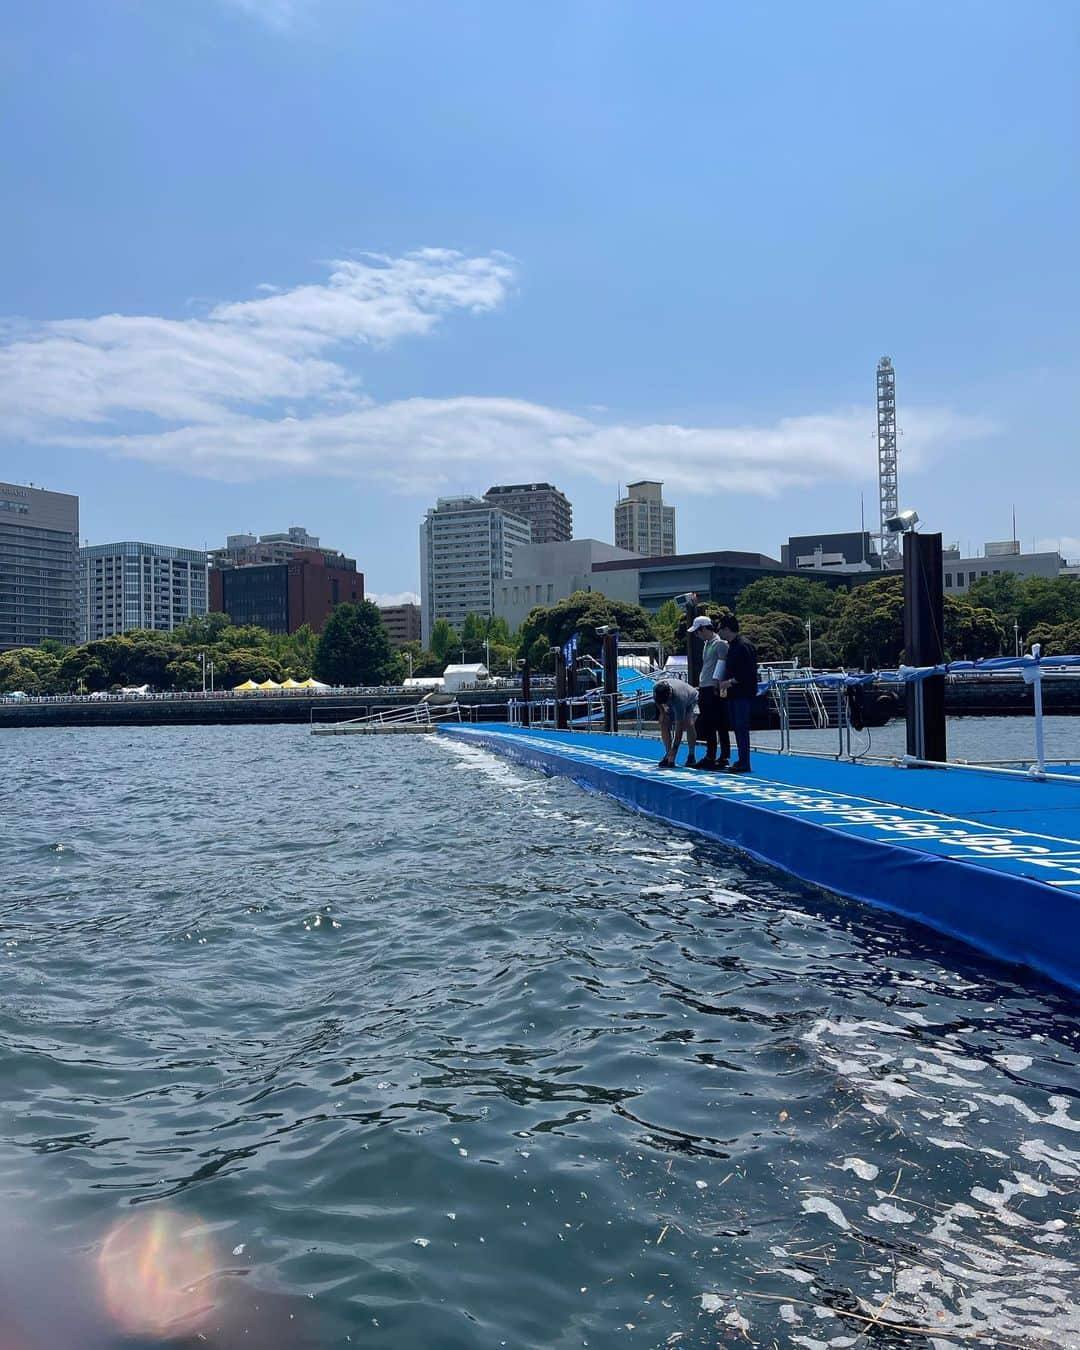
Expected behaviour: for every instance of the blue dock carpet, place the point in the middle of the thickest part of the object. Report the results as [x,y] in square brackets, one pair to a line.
[989,859]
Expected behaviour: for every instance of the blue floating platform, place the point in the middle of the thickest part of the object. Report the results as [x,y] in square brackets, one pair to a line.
[987,858]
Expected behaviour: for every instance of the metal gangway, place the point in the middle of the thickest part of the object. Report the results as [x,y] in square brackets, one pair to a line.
[417,719]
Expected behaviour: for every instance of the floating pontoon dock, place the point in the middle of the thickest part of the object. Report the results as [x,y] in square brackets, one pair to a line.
[992,858]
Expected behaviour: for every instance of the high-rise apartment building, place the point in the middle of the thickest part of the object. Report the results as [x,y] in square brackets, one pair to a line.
[466,546]
[241,550]
[39,566]
[643,523]
[546,509]
[135,585]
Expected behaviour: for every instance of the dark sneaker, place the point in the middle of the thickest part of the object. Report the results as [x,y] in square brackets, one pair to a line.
[721,765]
[693,763]
[738,768]
[665,763]
[705,763]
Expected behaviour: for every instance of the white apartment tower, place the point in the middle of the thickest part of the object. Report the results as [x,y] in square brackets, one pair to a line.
[133,585]
[643,523]
[466,546]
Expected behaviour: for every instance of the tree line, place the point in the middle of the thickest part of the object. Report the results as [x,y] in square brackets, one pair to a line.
[787,618]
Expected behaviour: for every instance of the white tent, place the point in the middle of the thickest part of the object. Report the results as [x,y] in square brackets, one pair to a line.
[315,685]
[457,677]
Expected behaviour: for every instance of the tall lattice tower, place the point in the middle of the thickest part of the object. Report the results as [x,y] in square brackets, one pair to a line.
[888,492]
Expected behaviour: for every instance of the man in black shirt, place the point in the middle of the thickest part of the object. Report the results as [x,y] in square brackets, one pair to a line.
[740,684]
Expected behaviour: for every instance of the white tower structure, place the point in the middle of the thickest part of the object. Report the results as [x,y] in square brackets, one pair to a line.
[888,491]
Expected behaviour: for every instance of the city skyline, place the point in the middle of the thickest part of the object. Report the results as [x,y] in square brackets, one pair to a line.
[209,326]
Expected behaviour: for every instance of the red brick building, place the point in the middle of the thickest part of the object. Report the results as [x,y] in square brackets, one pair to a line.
[282,597]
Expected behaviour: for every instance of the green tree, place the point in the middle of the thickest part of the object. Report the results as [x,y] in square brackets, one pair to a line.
[31,669]
[1062,639]
[581,613]
[202,630]
[1001,594]
[800,596]
[354,647]
[666,623]
[183,673]
[443,640]
[245,663]
[869,628]
[1048,600]
[971,632]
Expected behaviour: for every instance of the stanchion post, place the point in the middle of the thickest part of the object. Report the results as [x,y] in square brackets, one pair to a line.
[562,718]
[526,694]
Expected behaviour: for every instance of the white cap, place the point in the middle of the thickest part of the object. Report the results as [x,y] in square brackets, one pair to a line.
[702,621]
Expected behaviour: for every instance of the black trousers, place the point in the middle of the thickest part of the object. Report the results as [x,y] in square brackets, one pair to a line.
[712,723]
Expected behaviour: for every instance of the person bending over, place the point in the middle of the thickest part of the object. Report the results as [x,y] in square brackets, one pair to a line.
[676,707]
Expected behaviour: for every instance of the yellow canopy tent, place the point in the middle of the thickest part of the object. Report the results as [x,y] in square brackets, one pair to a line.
[269,684]
[313,684]
[245,687]
[290,683]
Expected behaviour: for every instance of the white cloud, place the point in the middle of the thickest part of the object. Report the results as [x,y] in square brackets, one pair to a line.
[1067,545]
[393,598]
[248,354]
[259,387]
[424,445]
[276,13]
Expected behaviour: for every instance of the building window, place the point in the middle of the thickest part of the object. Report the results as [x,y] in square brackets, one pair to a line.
[948,580]
[971,578]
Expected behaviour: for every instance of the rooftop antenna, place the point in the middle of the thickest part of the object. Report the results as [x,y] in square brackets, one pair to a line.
[1014,526]
[888,492]
[862,523]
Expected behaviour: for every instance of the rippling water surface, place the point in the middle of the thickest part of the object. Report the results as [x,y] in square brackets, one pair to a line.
[320,1042]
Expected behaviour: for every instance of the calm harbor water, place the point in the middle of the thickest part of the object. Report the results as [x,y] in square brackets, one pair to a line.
[313,1042]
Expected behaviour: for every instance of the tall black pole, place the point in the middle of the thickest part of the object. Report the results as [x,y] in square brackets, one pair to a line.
[611,682]
[924,644]
[693,644]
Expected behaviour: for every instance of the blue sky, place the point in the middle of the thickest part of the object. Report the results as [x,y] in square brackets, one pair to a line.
[317,261]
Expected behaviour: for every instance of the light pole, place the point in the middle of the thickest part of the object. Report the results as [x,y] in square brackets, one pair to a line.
[1016,635]
[211,664]
[487,655]
[202,662]
[408,657]
[810,644]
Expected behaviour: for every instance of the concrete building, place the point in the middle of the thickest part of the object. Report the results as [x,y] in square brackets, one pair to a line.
[135,585]
[959,573]
[547,510]
[547,573]
[851,551]
[718,577]
[402,623]
[39,566]
[644,524]
[243,549]
[282,597]
[466,546]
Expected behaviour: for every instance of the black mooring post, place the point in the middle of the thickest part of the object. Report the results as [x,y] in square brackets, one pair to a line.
[562,711]
[924,644]
[693,644]
[526,695]
[611,682]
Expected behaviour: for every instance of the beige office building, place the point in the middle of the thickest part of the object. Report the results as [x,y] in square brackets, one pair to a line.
[39,566]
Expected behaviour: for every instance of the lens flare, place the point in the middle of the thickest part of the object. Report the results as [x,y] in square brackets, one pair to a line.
[156,1272]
